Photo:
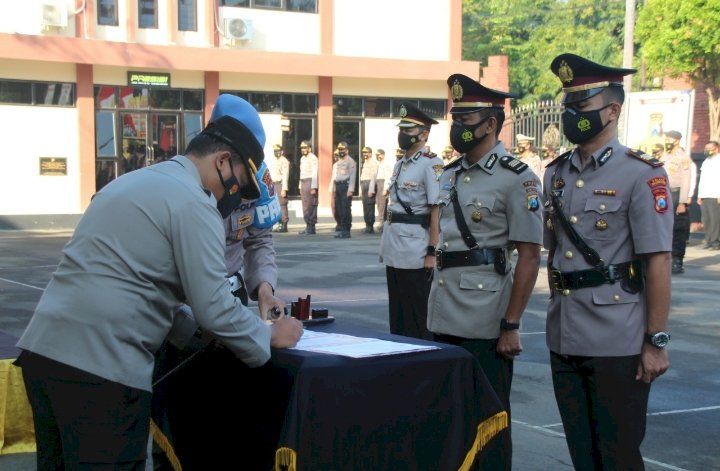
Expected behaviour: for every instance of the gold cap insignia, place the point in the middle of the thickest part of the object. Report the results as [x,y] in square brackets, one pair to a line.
[403,111]
[457,91]
[565,72]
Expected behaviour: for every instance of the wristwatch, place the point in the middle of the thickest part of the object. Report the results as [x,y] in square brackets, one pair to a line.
[505,325]
[658,340]
[430,251]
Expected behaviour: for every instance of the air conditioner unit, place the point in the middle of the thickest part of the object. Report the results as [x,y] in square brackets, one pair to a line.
[238,29]
[53,15]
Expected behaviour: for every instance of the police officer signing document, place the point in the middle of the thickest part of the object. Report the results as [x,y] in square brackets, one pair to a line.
[608,227]
[489,204]
[405,246]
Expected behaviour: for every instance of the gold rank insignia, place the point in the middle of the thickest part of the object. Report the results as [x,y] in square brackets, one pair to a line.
[457,91]
[476,216]
[565,73]
[601,224]
[244,220]
[403,111]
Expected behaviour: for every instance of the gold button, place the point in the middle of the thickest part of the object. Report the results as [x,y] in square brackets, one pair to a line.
[602,207]
[573,219]
[445,245]
[466,179]
[579,183]
[616,298]
[566,292]
[480,286]
[441,282]
[568,254]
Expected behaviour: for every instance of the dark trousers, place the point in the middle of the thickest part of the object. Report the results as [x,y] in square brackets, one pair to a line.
[681,228]
[711,220]
[343,206]
[368,203]
[82,421]
[603,409]
[309,202]
[408,292]
[499,373]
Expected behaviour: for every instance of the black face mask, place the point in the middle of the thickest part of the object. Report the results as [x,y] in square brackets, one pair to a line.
[669,146]
[342,153]
[232,197]
[462,136]
[580,127]
[406,141]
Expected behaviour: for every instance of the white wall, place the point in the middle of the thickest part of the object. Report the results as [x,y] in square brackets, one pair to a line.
[393,29]
[25,17]
[38,132]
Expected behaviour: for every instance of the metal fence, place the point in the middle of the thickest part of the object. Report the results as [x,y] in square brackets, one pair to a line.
[541,120]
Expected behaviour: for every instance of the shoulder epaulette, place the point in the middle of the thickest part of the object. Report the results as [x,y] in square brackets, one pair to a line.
[429,155]
[559,158]
[453,164]
[511,163]
[652,161]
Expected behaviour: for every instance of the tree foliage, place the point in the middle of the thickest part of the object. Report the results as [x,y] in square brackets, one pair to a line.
[682,37]
[532,32]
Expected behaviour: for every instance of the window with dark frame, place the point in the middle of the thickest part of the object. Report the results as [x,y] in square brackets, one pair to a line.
[187,15]
[304,6]
[147,14]
[107,14]
[21,92]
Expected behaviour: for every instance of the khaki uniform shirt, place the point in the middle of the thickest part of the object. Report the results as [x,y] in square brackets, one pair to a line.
[679,169]
[280,171]
[534,162]
[500,205]
[344,169]
[415,180]
[309,169]
[369,171]
[621,208]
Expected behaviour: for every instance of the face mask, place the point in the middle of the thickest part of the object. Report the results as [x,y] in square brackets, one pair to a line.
[521,149]
[232,197]
[580,127]
[304,151]
[669,146]
[462,137]
[277,154]
[342,153]
[545,154]
[708,153]
[406,141]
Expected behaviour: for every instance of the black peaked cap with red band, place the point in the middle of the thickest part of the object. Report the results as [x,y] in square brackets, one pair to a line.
[468,96]
[582,78]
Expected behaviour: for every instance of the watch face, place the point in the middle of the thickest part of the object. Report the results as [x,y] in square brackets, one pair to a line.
[660,339]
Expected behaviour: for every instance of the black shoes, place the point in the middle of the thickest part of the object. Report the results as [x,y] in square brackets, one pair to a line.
[342,235]
[677,266]
[368,230]
[309,230]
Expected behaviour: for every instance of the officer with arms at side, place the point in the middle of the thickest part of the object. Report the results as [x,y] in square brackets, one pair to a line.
[405,246]
[681,174]
[280,172]
[489,205]
[148,242]
[608,229]
[308,185]
[342,182]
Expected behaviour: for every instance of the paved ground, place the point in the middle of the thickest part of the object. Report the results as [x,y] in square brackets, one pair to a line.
[346,277]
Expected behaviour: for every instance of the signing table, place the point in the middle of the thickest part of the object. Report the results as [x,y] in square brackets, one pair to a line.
[427,410]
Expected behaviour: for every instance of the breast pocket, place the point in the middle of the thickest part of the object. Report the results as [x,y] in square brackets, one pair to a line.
[603,218]
[477,208]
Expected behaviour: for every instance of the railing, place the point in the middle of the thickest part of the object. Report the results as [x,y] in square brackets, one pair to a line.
[541,120]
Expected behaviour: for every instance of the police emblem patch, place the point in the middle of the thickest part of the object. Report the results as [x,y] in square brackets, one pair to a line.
[533,202]
[438,169]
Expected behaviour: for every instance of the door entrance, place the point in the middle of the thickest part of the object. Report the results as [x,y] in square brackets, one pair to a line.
[300,129]
[147,138]
[350,131]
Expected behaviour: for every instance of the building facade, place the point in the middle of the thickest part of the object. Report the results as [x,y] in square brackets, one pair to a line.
[92,89]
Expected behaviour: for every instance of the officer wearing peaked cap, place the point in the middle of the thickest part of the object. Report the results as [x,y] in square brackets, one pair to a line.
[280,173]
[405,247]
[488,206]
[608,230]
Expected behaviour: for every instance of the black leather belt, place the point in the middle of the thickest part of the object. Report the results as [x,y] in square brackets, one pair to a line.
[340,182]
[468,258]
[627,271]
[422,219]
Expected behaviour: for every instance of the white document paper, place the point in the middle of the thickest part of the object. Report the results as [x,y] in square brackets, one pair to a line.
[355,347]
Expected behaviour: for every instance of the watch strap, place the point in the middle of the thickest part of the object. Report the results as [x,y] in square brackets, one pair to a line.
[505,325]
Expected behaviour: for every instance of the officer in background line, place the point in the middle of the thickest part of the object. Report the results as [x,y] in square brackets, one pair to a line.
[608,229]
[405,246]
[489,205]
[342,182]
[679,167]
[280,172]
[308,186]
[368,174]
